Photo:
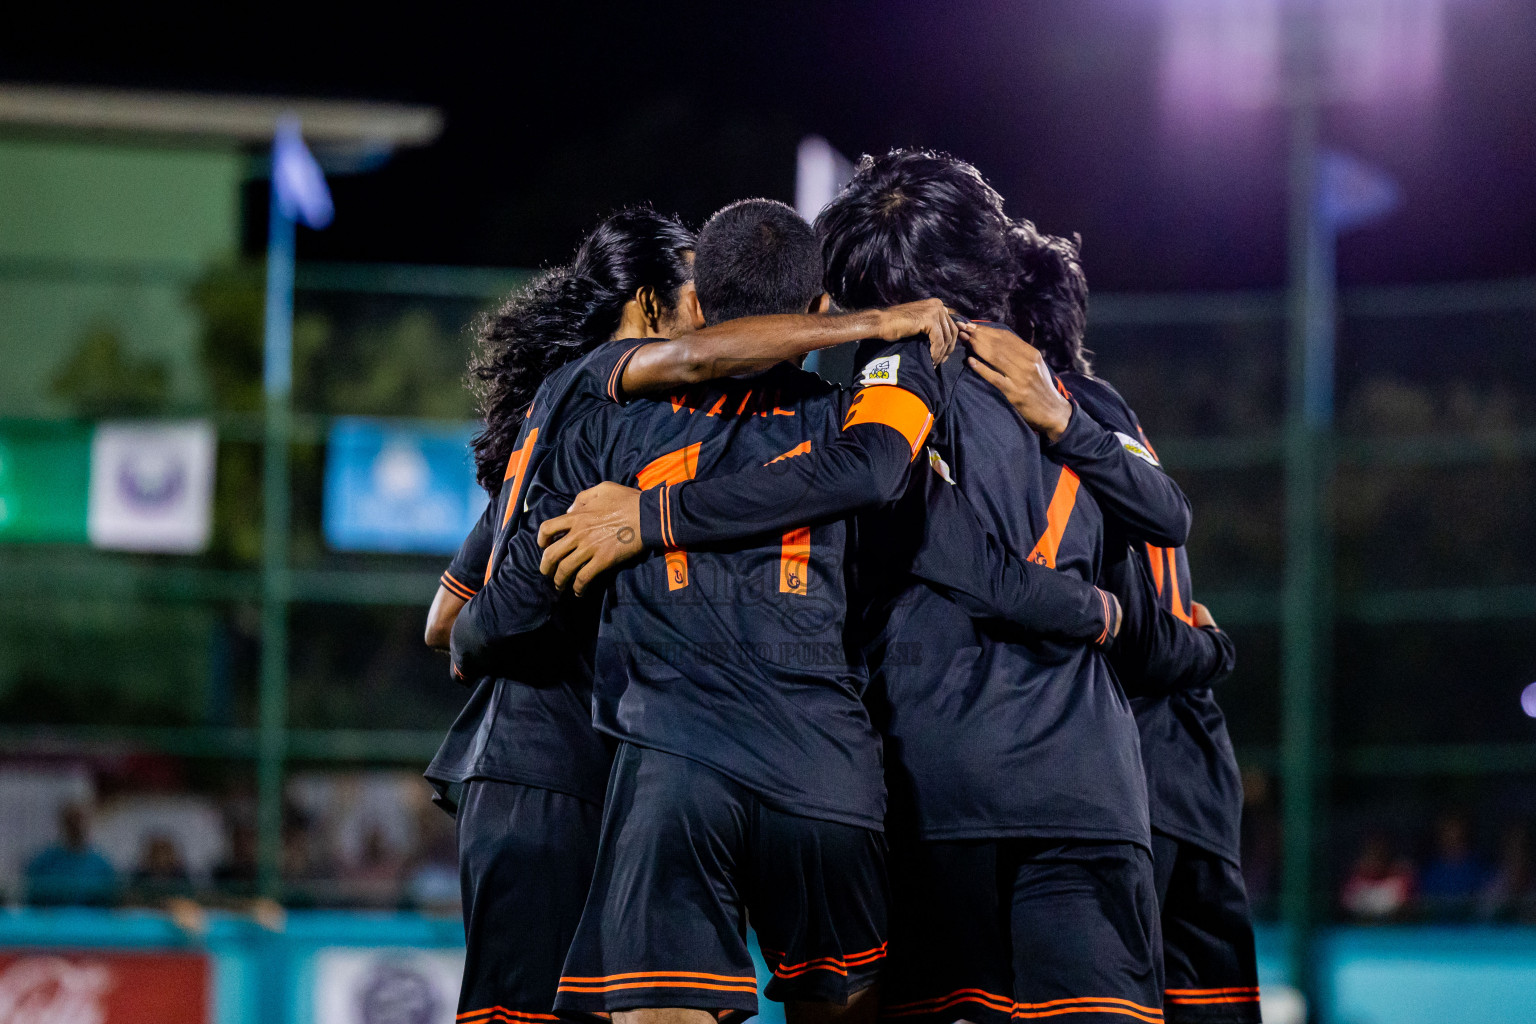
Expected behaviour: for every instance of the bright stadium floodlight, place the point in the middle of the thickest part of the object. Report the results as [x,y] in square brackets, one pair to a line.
[1233,55]
[1220,54]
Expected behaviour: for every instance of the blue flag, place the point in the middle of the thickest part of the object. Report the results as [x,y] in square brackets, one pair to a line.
[297,178]
[1352,192]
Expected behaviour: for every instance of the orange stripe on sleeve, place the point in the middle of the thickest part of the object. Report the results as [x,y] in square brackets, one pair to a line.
[1056,516]
[456,588]
[517,469]
[1173,587]
[795,562]
[1155,559]
[893,407]
[617,375]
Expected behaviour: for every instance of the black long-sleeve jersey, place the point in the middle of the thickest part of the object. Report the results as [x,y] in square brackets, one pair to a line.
[528,718]
[737,653]
[1168,665]
[993,732]
[734,656]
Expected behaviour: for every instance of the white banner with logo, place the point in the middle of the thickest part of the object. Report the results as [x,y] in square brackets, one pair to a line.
[387,985]
[152,486]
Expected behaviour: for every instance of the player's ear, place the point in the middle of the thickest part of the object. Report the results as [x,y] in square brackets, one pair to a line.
[650,309]
[689,312]
[821,303]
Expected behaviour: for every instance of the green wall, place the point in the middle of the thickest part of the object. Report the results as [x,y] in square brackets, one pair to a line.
[97,234]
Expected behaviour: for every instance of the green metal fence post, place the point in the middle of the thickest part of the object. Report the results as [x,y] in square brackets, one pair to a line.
[1305,629]
[273,712]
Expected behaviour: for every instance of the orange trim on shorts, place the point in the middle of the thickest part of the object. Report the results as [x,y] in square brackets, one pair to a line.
[502,1013]
[1050,1008]
[1208,996]
[835,964]
[659,979]
[893,407]
[1208,991]
[1056,516]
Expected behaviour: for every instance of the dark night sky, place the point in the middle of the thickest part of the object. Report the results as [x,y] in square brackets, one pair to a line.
[556,113]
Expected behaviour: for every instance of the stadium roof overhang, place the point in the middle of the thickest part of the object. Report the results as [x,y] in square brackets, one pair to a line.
[218,118]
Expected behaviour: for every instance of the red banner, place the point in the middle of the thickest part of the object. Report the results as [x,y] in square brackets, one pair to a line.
[46,986]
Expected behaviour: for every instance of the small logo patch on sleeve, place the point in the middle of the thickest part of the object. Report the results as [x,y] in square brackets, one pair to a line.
[884,370]
[1137,449]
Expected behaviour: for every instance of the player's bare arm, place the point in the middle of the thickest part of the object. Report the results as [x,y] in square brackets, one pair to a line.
[446,606]
[752,344]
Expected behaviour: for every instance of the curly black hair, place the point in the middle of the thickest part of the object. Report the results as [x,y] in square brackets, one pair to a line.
[1049,300]
[562,315]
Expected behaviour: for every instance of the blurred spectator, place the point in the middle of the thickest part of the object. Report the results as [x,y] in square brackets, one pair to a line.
[1510,894]
[1260,842]
[236,874]
[432,885]
[375,880]
[304,861]
[1381,886]
[71,871]
[162,872]
[1454,876]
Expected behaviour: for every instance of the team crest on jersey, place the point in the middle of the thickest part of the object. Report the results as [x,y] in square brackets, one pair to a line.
[940,467]
[880,371]
[1137,449]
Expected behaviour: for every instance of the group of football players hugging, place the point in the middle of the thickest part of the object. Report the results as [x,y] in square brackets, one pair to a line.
[902,674]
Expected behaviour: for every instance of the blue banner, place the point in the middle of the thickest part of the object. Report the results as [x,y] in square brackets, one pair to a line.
[399,486]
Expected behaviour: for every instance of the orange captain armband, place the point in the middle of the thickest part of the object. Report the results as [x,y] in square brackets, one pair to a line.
[895,407]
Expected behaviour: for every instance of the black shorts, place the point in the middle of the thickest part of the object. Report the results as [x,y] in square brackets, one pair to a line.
[1000,930]
[687,855]
[525,864]
[1208,954]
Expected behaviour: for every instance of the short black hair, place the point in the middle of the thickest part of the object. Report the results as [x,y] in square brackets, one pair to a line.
[755,257]
[916,224]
